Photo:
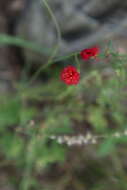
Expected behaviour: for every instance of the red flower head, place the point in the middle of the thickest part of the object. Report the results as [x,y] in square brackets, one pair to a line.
[70,75]
[88,53]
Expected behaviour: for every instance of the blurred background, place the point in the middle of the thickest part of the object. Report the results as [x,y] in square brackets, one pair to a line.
[53,136]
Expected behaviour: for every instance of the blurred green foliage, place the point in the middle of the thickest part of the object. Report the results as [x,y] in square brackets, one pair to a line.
[35,112]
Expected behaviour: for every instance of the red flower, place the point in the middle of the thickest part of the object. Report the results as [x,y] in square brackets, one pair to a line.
[70,75]
[88,53]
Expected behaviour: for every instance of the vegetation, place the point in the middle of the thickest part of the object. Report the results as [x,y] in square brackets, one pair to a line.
[34,113]
[36,119]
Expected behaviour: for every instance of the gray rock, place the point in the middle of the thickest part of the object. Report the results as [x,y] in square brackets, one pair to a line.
[82,23]
[100,7]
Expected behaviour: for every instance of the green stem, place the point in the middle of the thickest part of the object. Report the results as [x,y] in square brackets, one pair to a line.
[50,61]
[77,61]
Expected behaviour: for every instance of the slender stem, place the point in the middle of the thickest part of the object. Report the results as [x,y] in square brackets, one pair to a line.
[50,61]
[53,18]
[56,48]
[77,61]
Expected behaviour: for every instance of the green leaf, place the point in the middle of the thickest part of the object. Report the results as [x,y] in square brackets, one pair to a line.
[11,40]
[97,119]
[107,147]
[58,125]
[9,111]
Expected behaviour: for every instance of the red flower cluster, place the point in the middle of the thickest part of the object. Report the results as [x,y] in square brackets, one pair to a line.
[88,53]
[70,75]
